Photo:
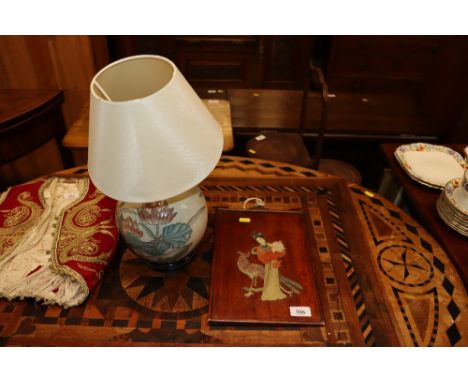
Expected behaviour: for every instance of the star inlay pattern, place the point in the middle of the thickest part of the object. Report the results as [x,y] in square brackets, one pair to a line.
[405,265]
[173,294]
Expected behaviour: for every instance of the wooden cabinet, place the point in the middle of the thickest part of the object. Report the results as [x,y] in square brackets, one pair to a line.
[227,61]
[284,61]
[386,87]
[423,77]
[382,63]
[215,61]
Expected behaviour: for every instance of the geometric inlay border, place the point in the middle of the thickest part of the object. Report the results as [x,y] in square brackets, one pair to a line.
[428,263]
[398,293]
[356,291]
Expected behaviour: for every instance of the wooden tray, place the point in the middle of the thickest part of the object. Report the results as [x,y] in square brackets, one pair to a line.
[262,270]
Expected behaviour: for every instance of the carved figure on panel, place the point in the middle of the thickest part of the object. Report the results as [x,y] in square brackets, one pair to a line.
[270,257]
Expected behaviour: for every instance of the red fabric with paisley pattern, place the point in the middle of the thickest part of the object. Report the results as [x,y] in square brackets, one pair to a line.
[18,211]
[28,191]
[88,236]
[87,232]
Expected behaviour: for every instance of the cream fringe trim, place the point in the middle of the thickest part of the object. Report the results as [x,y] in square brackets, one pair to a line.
[41,286]
[31,275]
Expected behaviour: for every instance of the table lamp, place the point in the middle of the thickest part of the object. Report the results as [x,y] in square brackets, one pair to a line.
[151,142]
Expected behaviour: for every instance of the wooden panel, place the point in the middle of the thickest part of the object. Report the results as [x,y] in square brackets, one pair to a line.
[274,251]
[206,61]
[100,51]
[350,113]
[261,108]
[285,60]
[18,105]
[227,71]
[387,56]
[222,61]
[444,92]
[74,68]
[44,160]
[29,119]
[385,62]
[26,63]
[51,62]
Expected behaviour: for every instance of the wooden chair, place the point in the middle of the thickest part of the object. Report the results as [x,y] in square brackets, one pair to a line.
[290,147]
[28,120]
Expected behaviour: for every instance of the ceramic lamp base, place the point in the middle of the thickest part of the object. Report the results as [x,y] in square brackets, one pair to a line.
[167,267]
[165,233]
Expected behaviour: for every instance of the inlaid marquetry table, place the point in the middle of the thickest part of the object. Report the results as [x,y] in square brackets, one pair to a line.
[381,279]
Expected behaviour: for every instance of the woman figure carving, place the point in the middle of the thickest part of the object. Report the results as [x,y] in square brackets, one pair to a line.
[270,254]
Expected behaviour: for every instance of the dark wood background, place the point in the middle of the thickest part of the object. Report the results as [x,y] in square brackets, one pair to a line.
[388,88]
[430,69]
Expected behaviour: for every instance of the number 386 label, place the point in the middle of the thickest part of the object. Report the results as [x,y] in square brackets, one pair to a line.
[300,311]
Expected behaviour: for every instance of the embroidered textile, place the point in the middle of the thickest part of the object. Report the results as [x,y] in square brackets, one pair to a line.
[57,236]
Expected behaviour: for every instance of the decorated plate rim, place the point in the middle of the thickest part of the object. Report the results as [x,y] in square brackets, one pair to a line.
[420,146]
[449,189]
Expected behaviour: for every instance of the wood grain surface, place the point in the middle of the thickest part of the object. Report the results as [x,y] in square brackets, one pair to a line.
[64,63]
[384,281]
[31,126]
[350,113]
[242,291]
[18,105]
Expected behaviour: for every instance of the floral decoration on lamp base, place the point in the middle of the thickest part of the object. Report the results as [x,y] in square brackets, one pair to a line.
[164,233]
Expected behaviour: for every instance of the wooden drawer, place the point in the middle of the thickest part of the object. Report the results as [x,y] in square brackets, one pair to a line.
[228,70]
[216,43]
[221,61]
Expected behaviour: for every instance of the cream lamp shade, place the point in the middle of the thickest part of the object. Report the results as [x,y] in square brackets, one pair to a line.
[150,135]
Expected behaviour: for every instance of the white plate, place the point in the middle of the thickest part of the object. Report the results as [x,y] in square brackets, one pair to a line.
[448,218]
[454,194]
[431,165]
